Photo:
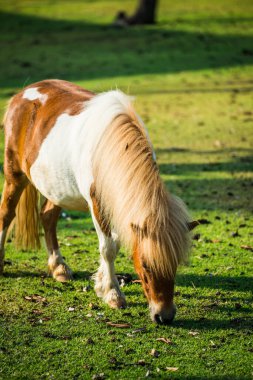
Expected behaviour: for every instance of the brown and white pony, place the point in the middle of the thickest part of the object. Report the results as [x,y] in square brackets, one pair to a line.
[84,151]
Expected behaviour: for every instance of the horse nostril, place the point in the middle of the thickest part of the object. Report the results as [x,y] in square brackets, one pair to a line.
[167,321]
[163,320]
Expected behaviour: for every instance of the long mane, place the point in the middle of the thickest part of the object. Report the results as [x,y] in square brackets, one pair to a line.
[134,199]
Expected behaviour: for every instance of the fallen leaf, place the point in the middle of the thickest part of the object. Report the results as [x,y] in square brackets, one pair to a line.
[164,340]
[93,306]
[71,309]
[86,288]
[136,281]
[98,376]
[140,329]
[193,333]
[36,298]
[141,362]
[247,247]
[46,319]
[119,325]
[35,311]
[154,353]
[172,369]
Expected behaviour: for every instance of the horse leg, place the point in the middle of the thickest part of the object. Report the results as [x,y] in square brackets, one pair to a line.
[57,267]
[11,193]
[106,283]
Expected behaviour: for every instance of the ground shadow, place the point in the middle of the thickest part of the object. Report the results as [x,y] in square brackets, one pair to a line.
[33,48]
[214,324]
[202,192]
[24,274]
[77,275]
[239,283]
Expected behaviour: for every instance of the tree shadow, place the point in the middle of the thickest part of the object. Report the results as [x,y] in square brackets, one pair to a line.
[34,48]
[214,377]
[214,324]
[77,275]
[233,150]
[239,283]
[83,275]
[25,274]
[228,192]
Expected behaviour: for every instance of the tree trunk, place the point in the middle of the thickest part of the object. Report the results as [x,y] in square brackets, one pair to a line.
[145,14]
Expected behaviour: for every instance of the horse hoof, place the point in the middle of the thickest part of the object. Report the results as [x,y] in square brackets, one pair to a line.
[117,304]
[62,273]
[114,300]
[62,278]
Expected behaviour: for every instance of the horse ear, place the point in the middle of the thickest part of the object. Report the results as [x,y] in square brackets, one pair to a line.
[192,225]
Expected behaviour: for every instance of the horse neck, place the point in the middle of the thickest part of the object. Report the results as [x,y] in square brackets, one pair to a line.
[132,195]
[126,176]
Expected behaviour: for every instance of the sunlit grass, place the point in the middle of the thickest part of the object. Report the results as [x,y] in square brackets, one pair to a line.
[192,78]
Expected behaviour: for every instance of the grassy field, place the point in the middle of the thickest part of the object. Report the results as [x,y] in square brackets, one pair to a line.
[192,75]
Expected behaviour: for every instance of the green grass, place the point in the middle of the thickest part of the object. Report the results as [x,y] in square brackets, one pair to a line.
[192,77]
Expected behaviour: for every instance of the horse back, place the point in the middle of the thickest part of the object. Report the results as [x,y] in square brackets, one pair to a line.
[31,115]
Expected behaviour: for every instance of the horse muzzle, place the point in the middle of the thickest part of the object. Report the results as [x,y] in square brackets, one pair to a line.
[162,316]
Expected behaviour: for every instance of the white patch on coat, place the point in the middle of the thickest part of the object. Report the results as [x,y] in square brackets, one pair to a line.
[62,171]
[33,93]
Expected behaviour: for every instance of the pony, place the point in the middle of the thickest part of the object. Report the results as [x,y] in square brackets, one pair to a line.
[84,151]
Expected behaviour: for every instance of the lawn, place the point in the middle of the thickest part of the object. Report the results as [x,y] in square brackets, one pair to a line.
[192,76]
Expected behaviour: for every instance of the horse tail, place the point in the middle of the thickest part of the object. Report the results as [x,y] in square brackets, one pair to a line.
[27,221]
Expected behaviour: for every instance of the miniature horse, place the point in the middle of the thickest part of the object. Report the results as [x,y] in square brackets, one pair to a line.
[84,151]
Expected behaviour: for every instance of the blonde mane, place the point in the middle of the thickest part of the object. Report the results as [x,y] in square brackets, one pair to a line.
[133,198]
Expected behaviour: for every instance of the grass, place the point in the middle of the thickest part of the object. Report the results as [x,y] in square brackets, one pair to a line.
[192,77]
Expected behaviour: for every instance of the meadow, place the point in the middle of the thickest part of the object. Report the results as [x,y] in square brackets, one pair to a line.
[192,78]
